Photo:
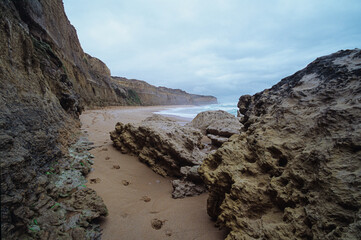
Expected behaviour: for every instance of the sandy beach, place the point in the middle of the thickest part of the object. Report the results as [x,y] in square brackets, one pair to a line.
[133,193]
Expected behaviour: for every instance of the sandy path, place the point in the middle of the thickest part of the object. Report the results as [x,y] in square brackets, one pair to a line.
[129,215]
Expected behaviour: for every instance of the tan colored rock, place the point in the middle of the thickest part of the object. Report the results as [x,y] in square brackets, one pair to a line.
[161,143]
[217,140]
[168,148]
[217,125]
[295,173]
[205,119]
[225,127]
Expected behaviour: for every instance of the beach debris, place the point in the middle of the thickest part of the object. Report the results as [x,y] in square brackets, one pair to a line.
[125,182]
[157,223]
[146,199]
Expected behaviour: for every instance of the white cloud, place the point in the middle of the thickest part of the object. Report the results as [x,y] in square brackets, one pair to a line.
[219,47]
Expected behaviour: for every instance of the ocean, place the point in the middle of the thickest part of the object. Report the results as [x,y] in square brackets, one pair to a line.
[191,112]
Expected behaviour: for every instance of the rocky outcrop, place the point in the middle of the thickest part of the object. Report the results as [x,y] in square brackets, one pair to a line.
[295,173]
[217,125]
[151,95]
[167,148]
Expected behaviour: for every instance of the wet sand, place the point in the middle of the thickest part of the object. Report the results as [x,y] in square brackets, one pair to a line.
[133,193]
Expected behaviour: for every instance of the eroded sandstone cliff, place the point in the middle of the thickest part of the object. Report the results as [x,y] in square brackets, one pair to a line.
[151,95]
[295,173]
[45,82]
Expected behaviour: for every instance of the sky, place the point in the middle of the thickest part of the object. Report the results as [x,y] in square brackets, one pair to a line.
[224,48]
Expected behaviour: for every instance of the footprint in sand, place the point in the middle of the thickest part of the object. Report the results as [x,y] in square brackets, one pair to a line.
[116,166]
[107,158]
[157,223]
[125,182]
[146,199]
[95,180]
[168,233]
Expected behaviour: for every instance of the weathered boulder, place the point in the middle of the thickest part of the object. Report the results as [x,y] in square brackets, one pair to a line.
[225,128]
[217,125]
[205,119]
[295,173]
[168,148]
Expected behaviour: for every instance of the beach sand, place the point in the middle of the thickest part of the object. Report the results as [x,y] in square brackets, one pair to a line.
[134,194]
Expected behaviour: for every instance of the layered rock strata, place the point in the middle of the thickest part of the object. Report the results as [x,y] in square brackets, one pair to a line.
[151,95]
[46,80]
[295,173]
[167,148]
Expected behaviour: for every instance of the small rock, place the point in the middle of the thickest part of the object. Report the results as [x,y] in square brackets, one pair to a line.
[107,158]
[116,166]
[104,149]
[145,199]
[125,182]
[95,180]
[157,224]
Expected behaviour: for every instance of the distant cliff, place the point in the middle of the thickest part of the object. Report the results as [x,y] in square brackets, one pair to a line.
[151,95]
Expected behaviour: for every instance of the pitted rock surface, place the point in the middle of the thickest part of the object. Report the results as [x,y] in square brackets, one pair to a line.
[295,173]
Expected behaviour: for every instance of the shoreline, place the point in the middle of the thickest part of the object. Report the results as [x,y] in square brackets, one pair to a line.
[133,193]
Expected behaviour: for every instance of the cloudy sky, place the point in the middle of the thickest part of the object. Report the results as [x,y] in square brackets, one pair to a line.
[224,48]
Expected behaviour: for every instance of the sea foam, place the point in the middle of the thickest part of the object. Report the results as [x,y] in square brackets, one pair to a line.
[192,111]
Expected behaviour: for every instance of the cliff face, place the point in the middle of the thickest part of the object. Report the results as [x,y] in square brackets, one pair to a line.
[151,95]
[45,82]
[295,173]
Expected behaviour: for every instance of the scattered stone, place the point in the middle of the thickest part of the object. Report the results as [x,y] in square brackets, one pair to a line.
[146,199]
[125,182]
[95,180]
[116,166]
[107,158]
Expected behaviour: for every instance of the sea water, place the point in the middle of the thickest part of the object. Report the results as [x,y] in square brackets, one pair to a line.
[192,111]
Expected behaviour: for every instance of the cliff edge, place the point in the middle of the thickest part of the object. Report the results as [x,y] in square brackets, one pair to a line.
[295,173]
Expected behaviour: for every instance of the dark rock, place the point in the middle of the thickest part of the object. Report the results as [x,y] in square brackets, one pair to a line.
[182,188]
